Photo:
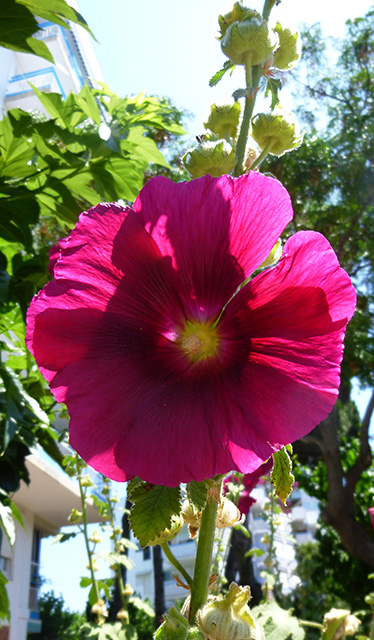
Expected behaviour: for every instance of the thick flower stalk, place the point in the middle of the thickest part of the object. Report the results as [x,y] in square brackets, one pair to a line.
[174,364]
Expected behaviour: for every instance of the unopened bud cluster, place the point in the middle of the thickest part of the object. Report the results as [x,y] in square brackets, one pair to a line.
[246,39]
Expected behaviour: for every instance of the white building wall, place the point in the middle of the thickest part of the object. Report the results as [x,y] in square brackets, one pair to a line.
[17,570]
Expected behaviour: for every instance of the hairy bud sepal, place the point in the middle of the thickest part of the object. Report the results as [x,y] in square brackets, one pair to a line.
[289,50]
[276,132]
[229,618]
[213,157]
[224,120]
[249,41]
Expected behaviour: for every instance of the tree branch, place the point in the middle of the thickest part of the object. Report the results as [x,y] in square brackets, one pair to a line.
[365,456]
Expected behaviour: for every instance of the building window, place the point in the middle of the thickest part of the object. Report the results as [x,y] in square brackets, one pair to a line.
[147,553]
[34,575]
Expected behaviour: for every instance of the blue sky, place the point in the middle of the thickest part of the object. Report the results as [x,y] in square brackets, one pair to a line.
[169,47]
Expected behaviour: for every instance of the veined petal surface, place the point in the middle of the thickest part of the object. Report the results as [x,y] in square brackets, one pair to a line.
[107,332]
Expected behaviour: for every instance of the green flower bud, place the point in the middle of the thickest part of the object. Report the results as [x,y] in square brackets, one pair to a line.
[224,120]
[213,157]
[276,132]
[249,41]
[75,516]
[168,534]
[289,50]
[369,599]
[123,615]
[237,14]
[95,537]
[339,623]
[229,618]
[86,481]
[127,590]
[174,626]
[273,256]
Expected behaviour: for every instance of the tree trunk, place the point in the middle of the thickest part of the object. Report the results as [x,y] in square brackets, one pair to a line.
[237,563]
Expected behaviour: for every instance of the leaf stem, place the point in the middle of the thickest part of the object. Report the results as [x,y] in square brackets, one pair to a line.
[200,587]
[173,560]
[256,163]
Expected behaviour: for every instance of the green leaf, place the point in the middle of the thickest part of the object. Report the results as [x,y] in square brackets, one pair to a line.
[197,493]
[242,529]
[107,631]
[153,508]
[55,11]
[143,147]
[7,523]
[4,600]
[17,26]
[16,153]
[85,582]
[63,537]
[53,103]
[278,624]
[88,104]
[255,552]
[228,66]
[281,475]
[273,86]
[142,606]
[15,513]
[132,484]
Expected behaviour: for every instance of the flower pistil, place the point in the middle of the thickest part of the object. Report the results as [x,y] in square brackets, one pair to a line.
[199,341]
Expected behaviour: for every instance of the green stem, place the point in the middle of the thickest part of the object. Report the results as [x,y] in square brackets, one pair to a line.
[172,559]
[268,5]
[85,532]
[315,625]
[118,569]
[252,77]
[256,163]
[200,587]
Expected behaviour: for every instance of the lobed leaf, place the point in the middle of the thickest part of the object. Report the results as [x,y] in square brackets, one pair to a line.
[278,624]
[153,508]
[197,493]
[281,475]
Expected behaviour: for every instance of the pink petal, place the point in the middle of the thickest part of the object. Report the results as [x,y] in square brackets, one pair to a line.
[215,230]
[371,514]
[295,317]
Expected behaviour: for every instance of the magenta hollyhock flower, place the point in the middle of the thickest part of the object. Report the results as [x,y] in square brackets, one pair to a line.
[249,482]
[54,254]
[171,369]
[371,514]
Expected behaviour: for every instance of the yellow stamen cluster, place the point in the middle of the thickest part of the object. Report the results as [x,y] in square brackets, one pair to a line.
[199,341]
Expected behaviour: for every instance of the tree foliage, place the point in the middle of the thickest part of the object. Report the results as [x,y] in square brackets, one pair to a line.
[57,622]
[330,179]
